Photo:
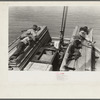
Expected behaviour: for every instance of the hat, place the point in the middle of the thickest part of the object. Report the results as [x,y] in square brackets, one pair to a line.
[82,34]
[85,28]
[34,26]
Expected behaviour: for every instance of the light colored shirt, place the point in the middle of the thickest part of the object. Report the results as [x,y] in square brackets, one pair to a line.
[80,35]
[33,32]
[30,32]
[26,40]
[87,38]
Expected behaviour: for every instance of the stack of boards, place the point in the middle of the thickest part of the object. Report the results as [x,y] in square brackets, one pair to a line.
[23,59]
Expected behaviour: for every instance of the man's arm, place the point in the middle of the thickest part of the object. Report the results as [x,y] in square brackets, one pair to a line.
[32,37]
[89,44]
[24,34]
[86,46]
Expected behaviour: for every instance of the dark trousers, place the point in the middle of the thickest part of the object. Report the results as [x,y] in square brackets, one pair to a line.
[76,54]
[73,56]
[20,48]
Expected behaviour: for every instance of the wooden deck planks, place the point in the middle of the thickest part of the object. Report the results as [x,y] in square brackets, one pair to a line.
[84,62]
[40,67]
[66,53]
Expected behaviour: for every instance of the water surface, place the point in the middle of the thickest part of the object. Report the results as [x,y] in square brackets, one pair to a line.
[24,17]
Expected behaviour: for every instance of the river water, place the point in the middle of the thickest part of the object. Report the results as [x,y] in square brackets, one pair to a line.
[24,17]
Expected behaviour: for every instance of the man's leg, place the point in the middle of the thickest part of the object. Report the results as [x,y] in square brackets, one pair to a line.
[20,49]
[68,59]
[77,54]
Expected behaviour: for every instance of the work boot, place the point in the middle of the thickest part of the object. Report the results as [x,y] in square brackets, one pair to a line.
[96,57]
[68,68]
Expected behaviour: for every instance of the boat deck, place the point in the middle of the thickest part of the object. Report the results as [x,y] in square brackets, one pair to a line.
[46,58]
[83,63]
[21,60]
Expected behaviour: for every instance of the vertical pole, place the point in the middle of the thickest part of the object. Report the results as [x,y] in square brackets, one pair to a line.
[93,59]
[65,10]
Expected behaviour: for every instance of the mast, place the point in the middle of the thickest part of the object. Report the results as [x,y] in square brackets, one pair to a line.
[63,25]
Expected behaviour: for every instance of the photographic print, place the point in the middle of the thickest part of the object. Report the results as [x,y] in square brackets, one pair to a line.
[50,50]
[54,38]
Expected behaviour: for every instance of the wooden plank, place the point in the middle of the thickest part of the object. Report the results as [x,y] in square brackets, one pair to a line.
[12,52]
[84,62]
[97,50]
[97,65]
[38,67]
[28,66]
[49,68]
[32,66]
[62,68]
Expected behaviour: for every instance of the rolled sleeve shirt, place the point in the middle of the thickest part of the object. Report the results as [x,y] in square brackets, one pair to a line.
[30,32]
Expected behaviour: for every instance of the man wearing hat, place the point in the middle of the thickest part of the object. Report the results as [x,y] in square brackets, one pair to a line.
[85,29]
[82,35]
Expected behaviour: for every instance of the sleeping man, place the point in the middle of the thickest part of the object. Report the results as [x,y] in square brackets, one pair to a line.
[26,38]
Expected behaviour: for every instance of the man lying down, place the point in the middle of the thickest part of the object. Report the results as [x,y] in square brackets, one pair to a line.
[26,38]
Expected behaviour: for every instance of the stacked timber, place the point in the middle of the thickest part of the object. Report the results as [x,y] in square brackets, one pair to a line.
[23,59]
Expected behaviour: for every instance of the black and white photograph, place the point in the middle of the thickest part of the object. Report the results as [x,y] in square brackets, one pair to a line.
[50,50]
[54,38]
